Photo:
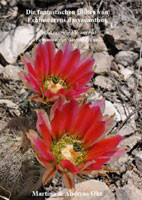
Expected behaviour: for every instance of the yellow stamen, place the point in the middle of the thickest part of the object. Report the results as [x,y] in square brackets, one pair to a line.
[66,148]
[66,152]
[54,84]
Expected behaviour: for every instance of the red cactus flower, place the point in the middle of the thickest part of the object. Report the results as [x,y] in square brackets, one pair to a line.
[51,74]
[73,141]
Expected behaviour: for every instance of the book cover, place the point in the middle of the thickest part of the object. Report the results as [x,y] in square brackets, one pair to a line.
[70,99]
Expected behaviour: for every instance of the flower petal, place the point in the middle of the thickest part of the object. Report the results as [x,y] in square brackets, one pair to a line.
[44,150]
[80,121]
[33,136]
[27,59]
[109,123]
[43,161]
[29,67]
[57,105]
[51,53]
[100,103]
[49,173]
[30,82]
[85,165]
[76,94]
[116,155]
[61,119]
[98,164]
[69,111]
[69,166]
[57,63]
[42,153]
[42,61]
[67,50]
[43,126]
[94,132]
[104,146]
[68,180]
[71,93]
[57,124]
[84,79]
[85,119]
[82,69]
[36,97]
[24,77]
[35,84]
[71,64]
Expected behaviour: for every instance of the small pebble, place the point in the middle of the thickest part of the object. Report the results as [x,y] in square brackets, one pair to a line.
[3,3]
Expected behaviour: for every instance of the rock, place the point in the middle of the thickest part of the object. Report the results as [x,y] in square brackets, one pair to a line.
[3,3]
[11,72]
[56,37]
[131,141]
[132,175]
[17,41]
[121,194]
[14,12]
[133,192]
[88,190]
[120,115]
[110,110]
[126,58]
[128,192]
[23,90]
[99,44]
[139,63]
[138,77]
[125,72]
[82,26]
[94,96]
[129,128]
[27,3]
[1,69]
[81,43]
[138,160]
[104,82]
[17,166]
[124,37]
[131,82]
[123,110]
[102,62]
[3,125]
[127,94]
[120,164]
[115,74]
[13,3]
[85,26]
[12,106]
[9,103]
